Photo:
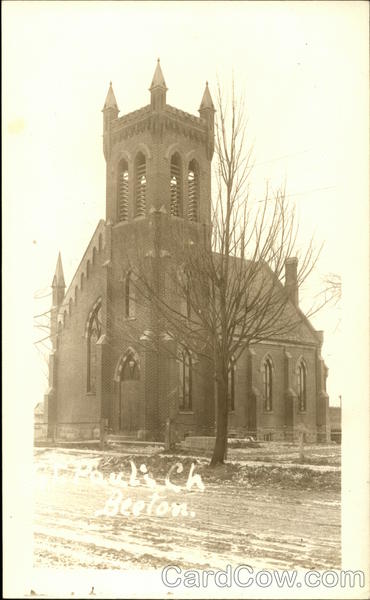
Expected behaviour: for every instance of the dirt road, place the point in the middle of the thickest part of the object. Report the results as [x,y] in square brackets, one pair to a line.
[224,524]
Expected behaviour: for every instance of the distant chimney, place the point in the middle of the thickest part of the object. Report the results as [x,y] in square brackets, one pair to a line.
[291,282]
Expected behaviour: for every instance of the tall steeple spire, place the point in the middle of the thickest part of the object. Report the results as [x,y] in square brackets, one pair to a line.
[110,101]
[58,284]
[158,89]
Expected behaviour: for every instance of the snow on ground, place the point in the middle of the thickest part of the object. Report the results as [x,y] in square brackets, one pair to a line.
[251,513]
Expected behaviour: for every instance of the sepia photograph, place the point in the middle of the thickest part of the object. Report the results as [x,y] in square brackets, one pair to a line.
[186,299]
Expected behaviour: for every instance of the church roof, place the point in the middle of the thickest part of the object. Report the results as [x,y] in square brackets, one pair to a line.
[58,280]
[207,99]
[158,79]
[110,101]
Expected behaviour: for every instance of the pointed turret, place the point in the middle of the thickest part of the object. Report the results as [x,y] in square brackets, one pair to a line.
[206,100]
[158,89]
[110,101]
[58,284]
[207,113]
[110,112]
[158,79]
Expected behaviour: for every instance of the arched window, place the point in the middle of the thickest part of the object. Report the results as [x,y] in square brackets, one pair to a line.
[122,200]
[175,186]
[193,191]
[267,384]
[231,385]
[302,386]
[140,185]
[93,334]
[129,369]
[129,296]
[185,380]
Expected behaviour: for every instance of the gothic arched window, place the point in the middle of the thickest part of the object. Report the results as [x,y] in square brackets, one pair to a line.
[122,196]
[267,384]
[130,369]
[185,380]
[302,386]
[175,186]
[231,385]
[140,185]
[193,191]
[94,332]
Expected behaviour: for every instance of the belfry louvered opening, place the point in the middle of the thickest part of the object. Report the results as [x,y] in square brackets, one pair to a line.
[123,191]
[176,186]
[193,191]
[140,185]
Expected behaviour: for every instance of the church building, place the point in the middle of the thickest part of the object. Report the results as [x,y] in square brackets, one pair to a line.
[103,365]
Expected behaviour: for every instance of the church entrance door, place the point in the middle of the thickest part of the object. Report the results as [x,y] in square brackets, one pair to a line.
[129,405]
[128,378]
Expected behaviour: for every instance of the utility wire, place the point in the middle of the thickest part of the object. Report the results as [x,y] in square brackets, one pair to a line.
[265,162]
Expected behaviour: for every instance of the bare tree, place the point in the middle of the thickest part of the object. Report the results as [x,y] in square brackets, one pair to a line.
[332,290]
[227,285]
[41,324]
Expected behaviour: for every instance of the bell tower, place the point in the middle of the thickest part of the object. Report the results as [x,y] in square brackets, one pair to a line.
[158,158]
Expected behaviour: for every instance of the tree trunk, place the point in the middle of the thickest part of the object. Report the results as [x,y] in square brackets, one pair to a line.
[219,452]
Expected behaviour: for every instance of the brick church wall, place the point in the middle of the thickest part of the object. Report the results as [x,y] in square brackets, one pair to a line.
[154,242]
[78,411]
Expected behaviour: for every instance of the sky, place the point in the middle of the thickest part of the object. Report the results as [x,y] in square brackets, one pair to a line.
[301,68]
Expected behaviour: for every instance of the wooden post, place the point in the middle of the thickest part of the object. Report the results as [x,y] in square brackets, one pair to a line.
[102,434]
[301,446]
[167,437]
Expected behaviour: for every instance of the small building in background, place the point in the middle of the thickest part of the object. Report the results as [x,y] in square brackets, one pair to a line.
[335,419]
